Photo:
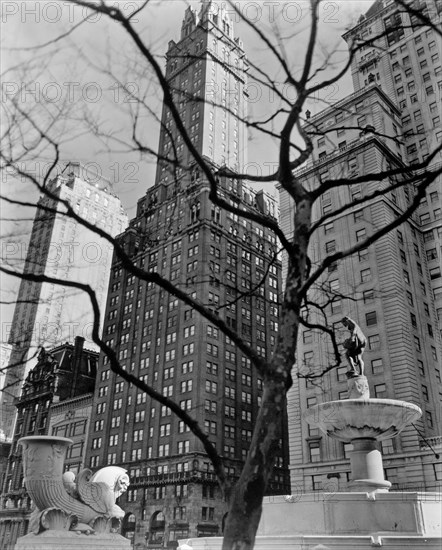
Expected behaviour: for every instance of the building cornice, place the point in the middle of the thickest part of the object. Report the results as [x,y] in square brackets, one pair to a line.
[368,21]
[335,156]
[339,105]
[67,403]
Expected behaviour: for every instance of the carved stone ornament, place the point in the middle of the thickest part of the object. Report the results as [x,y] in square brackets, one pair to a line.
[84,505]
[358,388]
[58,520]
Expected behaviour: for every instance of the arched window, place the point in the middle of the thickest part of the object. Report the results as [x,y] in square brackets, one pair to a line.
[157,528]
[128,526]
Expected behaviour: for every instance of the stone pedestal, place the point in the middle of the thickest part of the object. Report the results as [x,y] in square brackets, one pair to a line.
[69,540]
[358,387]
[366,467]
[351,521]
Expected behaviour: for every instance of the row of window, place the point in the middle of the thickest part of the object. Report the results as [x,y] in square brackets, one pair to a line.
[229,450]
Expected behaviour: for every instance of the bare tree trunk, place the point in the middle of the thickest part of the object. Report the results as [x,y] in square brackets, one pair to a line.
[246,501]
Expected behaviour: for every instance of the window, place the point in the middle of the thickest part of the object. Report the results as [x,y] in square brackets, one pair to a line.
[355,191]
[368,296]
[336,305]
[371,318]
[377,366]
[435,273]
[314,451]
[212,368]
[429,418]
[211,386]
[186,386]
[330,247]
[207,514]
[365,275]
[409,298]
[358,216]
[363,255]
[212,349]
[380,391]
[341,375]
[417,343]
[431,254]
[374,342]
[183,447]
[188,348]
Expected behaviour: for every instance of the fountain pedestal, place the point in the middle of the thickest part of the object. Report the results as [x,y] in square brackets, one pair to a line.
[366,467]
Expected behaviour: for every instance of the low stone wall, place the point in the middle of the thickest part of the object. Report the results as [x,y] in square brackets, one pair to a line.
[355,521]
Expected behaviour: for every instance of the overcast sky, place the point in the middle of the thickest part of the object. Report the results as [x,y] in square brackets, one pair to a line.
[80,73]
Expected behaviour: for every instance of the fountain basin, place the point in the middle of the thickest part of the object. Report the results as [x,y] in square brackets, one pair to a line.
[351,419]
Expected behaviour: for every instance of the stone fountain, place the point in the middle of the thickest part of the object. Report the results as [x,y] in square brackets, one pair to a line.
[70,513]
[362,421]
[368,515]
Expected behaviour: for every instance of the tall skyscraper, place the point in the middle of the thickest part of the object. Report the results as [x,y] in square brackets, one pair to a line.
[220,260]
[46,314]
[393,288]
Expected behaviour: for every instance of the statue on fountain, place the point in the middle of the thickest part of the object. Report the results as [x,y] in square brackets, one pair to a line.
[355,346]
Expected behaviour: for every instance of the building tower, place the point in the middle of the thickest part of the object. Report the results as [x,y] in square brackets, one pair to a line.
[391,288]
[221,261]
[64,378]
[45,314]
[409,71]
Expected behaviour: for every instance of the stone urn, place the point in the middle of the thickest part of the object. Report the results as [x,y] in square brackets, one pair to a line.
[68,514]
[43,463]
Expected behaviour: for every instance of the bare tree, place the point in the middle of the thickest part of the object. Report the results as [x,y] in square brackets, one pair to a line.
[293,134]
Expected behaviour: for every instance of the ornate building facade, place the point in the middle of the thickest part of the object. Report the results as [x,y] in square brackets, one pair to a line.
[56,399]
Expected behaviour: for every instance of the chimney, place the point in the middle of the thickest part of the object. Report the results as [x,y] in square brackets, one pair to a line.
[76,363]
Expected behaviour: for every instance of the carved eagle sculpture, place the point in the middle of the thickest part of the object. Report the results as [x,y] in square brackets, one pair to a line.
[100,490]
